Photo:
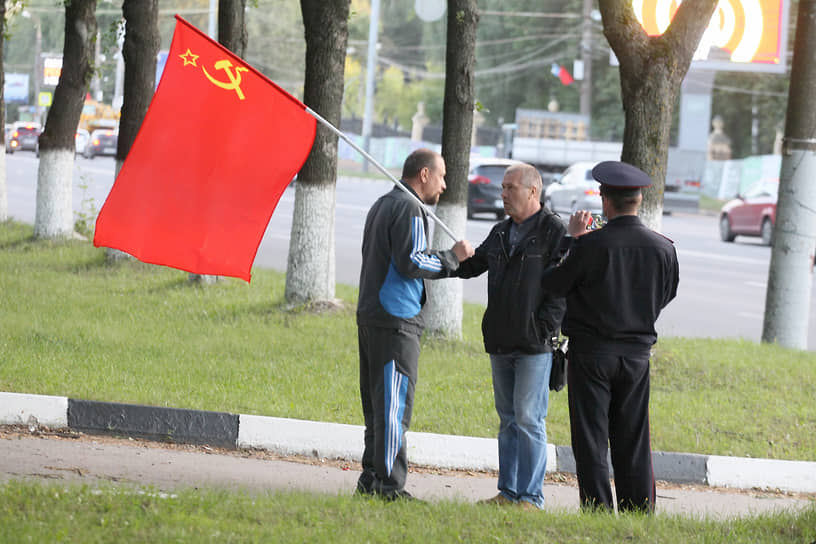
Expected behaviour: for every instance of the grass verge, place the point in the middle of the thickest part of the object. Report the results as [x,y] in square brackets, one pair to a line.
[73,325]
[56,513]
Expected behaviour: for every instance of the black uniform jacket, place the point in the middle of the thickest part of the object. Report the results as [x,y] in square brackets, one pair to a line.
[616,279]
[520,316]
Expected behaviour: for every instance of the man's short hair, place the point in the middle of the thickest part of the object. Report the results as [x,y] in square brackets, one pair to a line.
[416,161]
[622,200]
[530,177]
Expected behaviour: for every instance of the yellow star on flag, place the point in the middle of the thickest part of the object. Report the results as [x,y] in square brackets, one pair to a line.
[189,58]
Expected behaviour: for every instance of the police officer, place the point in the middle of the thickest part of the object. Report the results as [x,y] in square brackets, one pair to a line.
[616,280]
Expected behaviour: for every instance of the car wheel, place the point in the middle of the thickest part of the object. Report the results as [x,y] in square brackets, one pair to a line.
[767,232]
[725,230]
[499,215]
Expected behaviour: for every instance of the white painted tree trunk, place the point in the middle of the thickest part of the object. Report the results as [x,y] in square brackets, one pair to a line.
[3,189]
[113,255]
[443,309]
[54,215]
[310,269]
[790,277]
[652,218]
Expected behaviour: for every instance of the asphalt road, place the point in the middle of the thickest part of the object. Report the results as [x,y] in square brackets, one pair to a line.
[722,285]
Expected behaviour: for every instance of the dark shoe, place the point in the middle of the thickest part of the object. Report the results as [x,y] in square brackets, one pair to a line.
[399,495]
[365,484]
[362,490]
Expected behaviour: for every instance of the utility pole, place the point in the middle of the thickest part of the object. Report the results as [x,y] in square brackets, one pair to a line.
[38,66]
[586,60]
[787,302]
[371,68]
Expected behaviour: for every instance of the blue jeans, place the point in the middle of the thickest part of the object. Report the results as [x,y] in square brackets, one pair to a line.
[521,389]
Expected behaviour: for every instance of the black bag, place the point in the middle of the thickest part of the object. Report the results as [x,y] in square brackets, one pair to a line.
[558,374]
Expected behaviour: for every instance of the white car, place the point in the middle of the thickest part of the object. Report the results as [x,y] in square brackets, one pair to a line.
[576,189]
[81,140]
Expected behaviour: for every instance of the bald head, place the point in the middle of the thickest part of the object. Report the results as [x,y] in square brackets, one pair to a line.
[521,191]
[528,175]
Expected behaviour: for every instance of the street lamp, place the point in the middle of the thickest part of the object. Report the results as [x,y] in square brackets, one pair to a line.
[37,59]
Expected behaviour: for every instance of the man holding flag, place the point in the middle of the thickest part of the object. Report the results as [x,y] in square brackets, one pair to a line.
[396,261]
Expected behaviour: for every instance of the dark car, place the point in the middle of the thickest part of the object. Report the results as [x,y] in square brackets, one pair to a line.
[26,136]
[752,213]
[102,142]
[484,186]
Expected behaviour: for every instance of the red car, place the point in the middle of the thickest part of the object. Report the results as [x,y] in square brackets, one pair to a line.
[752,213]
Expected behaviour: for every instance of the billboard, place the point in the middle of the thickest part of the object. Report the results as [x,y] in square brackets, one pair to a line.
[15,88]
[743,35]
[52,68]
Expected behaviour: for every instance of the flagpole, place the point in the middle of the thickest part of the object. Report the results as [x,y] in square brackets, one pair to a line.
[382,169]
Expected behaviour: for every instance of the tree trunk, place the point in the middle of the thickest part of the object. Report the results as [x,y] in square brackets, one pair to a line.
[232,31]
[54,212]
[232,34]
[443,312]
[790,277]
[310,268]
[651,72]
[139,51]
[3,186]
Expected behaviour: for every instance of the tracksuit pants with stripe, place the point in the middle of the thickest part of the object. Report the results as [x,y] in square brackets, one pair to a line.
[388,373]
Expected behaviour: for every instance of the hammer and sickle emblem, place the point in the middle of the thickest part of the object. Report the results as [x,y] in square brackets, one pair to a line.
[234,82]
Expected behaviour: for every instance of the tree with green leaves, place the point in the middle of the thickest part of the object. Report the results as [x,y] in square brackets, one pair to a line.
[54,211]
[310,270]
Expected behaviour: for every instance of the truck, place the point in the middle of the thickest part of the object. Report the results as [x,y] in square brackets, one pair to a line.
[98,115]
[552,141]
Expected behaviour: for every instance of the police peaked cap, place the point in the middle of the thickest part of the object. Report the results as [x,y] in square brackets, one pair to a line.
[619,175]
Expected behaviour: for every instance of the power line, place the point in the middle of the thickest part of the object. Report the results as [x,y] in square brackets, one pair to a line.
[531,14]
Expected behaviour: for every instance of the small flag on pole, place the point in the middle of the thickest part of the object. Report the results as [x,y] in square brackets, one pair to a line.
[561,73]
[218,146]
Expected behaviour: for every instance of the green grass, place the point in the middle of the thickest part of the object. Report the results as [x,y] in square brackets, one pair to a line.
[72,325]
[57,513]
[710,205]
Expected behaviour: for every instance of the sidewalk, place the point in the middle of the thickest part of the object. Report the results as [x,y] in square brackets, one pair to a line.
[341,441]
[96,460]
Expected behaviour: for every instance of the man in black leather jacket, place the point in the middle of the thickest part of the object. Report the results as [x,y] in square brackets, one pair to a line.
[518,326]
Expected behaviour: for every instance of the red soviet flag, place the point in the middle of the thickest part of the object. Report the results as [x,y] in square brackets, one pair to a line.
[218,146]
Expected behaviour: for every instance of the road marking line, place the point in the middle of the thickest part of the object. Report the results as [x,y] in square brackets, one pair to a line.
[715,256]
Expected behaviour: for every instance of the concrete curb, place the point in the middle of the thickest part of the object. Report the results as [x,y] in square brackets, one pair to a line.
[341,441]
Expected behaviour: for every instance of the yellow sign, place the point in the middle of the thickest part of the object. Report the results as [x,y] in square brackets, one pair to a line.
[45,99]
